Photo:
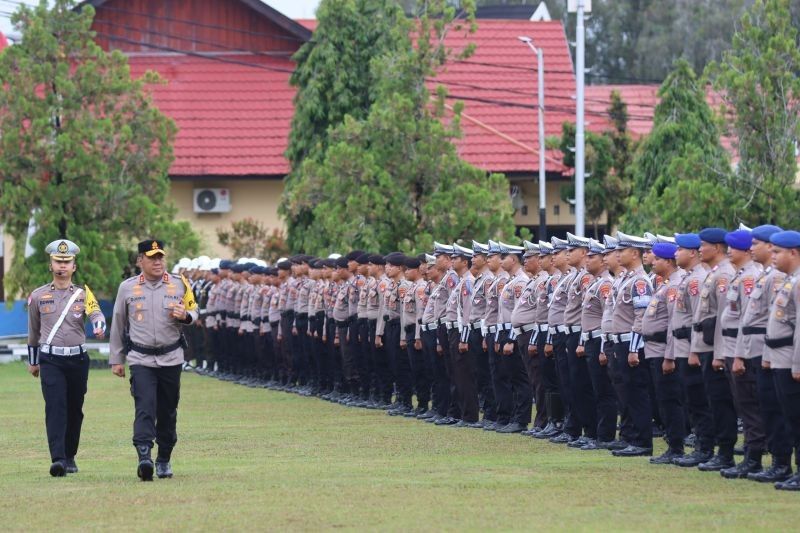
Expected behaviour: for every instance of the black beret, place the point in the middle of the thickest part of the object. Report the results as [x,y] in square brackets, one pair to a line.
[363,259]
[412,262]
[341,262]
[284,265]
[396,259]
[377,259]
[352,256]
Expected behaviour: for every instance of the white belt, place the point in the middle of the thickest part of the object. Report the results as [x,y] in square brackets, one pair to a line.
[506,326]
[430,326]
[492,329]
[526,328]
[475,325]
[551,331]
[589,335]
[450,325]
[568,329]
[64,351]
[543,328]
[622,337]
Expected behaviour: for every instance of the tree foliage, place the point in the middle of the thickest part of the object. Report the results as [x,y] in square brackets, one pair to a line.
[251,238]
[393,179]
[334,78]
[681,173]
[758,81]
[83,150]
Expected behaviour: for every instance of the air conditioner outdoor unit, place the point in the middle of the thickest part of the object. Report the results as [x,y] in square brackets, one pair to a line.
[212,200]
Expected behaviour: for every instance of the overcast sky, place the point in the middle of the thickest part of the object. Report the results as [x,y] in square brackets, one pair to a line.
[291,8]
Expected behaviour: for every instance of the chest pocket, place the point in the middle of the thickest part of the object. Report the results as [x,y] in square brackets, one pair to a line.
[78,307]
[170,301]
[757,299]
[409,303]
[47,307]
[705,303]
[782,305]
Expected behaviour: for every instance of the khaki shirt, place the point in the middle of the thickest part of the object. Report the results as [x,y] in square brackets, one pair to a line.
[510,294]
[736,302]
[686,302]
[478,309]
[756,314]
[45,306]
[144,308]
[783,323]
[575,292]
[656,319]
[712,301]
[594,301]
[633,297]
[558,297]
[493,299]
[392,300]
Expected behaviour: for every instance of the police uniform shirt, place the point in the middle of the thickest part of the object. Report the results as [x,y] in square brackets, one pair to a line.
[633,298]
[611,298]
[375,292]
[525,307]
[736,302]
[782,325]
[441,295]
[558,298]
[656,320]
[341,307]
[594,301]
[756,313]
[510,294]
[246,322]
[686,302]
[712,301]
[45,306]
[145,309]
[363,295]
[455,301]
[352,294]
[419,295]
[390,309]
[496,288]
[408,311]
[575,292]
[303,296]
[479,301]
[232,302]
[428,314]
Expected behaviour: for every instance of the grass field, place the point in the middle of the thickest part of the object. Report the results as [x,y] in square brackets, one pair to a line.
[253,459]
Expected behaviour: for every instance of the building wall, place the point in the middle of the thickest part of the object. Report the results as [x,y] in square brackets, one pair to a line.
[530,196]
[258,199]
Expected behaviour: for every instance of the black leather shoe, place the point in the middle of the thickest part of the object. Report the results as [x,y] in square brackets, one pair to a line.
[740,471]
[666,458]
[58,469]
[549,431]
[70,466]
[633,451]
[413,413]
[145,467]
[577,443]
[561,438]
[426,415]
[773,474]
[400,411]
[694,458]
[513,427]
[590,446]
[446,421]
[476,425]
[792,484]
[613,444]
[492,426]
[433,419]
[716,463]
[163,469]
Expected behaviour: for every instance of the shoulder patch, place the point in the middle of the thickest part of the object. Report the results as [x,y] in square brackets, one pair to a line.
[605,289]
[517,290]
[451,281]
[641,287]
[748,284]
[586,280]
[722,285]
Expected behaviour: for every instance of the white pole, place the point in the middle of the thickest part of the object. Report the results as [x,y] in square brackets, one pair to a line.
[579,126]
[542,183]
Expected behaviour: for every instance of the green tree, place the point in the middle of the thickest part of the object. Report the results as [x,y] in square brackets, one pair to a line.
[758,81]
[394,179]
[333,79]
[83,150]
[681,174]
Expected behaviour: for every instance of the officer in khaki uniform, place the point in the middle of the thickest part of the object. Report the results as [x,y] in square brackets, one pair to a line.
[56,352]
[149,314]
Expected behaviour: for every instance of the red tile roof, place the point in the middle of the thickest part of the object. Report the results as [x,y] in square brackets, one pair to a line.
[234,119]
[640,99]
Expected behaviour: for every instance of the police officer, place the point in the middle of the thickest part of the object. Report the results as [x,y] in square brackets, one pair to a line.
[782,340]
[149,314]
[57,355]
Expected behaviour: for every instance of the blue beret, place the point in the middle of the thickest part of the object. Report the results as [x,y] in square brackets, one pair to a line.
[786,239]
[225,264]
[740,239]
[713,235]
[688,240]
[665,250]
[763,233]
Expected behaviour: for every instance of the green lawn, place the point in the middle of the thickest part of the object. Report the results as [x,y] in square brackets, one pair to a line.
[252,459]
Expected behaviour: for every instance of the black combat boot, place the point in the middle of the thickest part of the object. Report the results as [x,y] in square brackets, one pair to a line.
[145,468]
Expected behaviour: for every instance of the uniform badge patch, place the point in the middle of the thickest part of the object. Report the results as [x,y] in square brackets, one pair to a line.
[605,289]
[517,290]
[451,282]
[585,281]
[694,287]
[641,287]
[748,284]
[672,293]
[722,285]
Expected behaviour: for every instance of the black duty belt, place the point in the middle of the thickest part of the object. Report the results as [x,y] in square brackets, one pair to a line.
[682,333]
[302,316]
[342,323]
[320,315]
[287,314]
[659,336]
[749,330]
[393,322]
[779,342]
[257,321]
[730,332]
[155,350]
[232,315]
[410,328]
[275,324]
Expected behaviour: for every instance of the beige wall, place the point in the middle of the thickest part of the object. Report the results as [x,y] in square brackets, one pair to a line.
[530,195]
[249,198]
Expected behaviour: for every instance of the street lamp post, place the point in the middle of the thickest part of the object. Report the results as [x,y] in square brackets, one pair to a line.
[579,123]
[542,183]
